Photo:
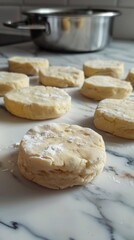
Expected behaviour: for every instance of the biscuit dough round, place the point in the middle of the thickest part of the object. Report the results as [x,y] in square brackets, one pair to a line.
[103,67]
[116,116]
[37,103]
[59,76]
[58,156]
[27,65]
[9,81]
[101,87]
[130,76]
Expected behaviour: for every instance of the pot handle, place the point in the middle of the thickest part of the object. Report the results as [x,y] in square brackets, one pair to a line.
[24,25]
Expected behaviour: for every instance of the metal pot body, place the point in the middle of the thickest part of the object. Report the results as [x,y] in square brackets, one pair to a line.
[67,29]
[75,33]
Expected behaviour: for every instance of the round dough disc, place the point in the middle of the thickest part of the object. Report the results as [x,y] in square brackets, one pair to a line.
[27,65]
[101,87]
[61,76]
[61,155]
[116,116]
[37,102]
[103,67]
[9,81]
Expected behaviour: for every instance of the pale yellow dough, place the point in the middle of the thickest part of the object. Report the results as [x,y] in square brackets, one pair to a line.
[27,65]
[37,102]
[59,76]
[130,76]
[116,116]
[101,87]
[58,156]
[9,81]
[103,67]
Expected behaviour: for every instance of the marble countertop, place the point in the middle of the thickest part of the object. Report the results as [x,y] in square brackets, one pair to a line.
[101,210]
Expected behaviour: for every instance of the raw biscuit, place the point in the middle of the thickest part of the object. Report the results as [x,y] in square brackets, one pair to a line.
[103,67]
[101,87]
[59,76]
[116,116]
[37,102]
[130,76]
[27,65]
[58,156]
[9,81]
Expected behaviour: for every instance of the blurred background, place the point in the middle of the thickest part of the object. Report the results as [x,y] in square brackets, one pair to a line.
[123,25]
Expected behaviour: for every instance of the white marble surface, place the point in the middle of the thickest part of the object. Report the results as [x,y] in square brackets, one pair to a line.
[102,210]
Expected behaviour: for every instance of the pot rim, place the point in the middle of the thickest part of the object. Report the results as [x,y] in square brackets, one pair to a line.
[71,11]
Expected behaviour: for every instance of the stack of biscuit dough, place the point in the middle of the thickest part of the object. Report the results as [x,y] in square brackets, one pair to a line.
[10,81]
[116,116]
[26,65]
[103,67]
[59,76]
[101,87]
[61,155]
[38,102]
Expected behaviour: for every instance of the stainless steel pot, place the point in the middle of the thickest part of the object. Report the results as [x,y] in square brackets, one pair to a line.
[68,29]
